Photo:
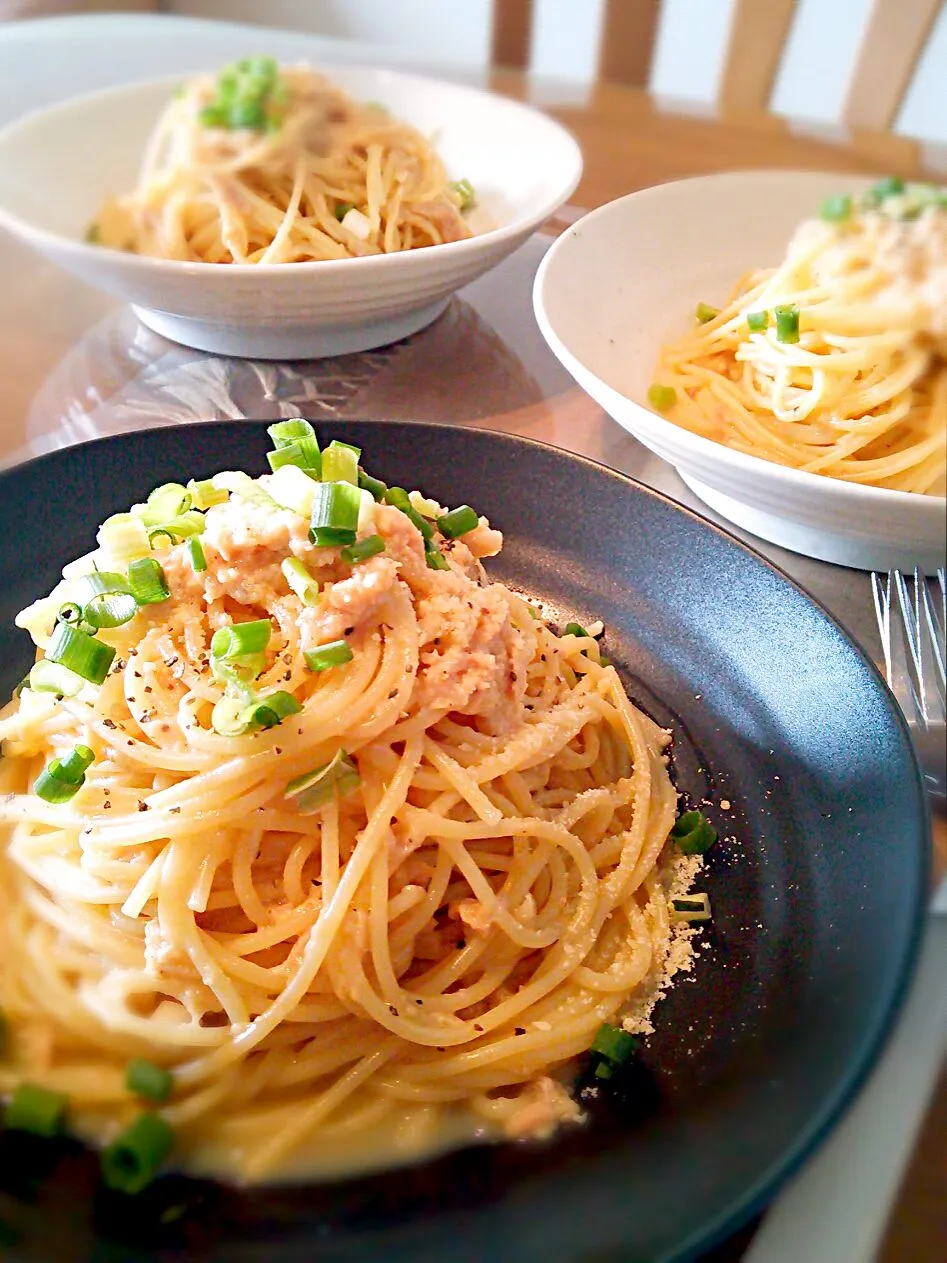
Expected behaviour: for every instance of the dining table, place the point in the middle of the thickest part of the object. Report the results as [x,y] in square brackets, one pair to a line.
[76,364]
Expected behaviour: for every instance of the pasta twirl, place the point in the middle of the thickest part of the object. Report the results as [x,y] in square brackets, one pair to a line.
[355,845]
[275,165]
[836,361]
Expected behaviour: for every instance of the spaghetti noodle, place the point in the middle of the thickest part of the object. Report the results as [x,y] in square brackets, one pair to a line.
[836,361]
[270,165]
[341,835]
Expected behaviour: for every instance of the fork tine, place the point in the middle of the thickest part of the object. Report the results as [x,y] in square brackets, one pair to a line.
[881,592]
[909,633]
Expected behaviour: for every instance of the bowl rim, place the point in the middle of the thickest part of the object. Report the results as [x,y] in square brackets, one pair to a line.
[25,228]
[653,423]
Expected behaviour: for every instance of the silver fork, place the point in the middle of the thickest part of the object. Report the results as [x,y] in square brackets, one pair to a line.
[912,617]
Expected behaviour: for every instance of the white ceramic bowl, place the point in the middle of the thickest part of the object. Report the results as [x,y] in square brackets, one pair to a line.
[58,165]
[627,277]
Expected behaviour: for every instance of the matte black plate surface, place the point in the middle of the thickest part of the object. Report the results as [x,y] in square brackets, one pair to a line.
[817,884]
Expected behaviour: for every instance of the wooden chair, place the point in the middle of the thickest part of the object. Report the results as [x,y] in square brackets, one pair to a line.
[890,47]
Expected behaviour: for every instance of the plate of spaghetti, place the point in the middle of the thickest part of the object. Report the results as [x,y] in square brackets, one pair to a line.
[779,337]
[381,859]
[284,211]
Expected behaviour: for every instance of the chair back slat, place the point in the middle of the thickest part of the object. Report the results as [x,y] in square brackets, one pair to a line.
[511,34]
[756,40]
[892,41]
[626,46]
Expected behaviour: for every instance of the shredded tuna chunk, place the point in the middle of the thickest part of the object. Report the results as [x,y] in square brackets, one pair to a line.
[543,1106]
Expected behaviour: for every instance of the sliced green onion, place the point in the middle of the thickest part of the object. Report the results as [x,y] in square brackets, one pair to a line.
[890,186]
[757,321]
[465,191]
[147,581]
[161,539]
[314,789]
[300,580]
[164,503]
[52,677]
[241,639]
[333,654]
[705,313]
[612,1047]
[185,525]
[342,209]
[434,557]
[286,433]
[371,546]
[693,833]
[335,509]
[227,718]
[124,537]
[303,452]
[787,323]
[373,485]
[147,1080]
[136,1155]
[835,210]
[695,907]
[106,599]
[575,629]
[458,521]
[661,397]
[62,778]
[74,765]
[80,652]
[70,612]
[240,484]
[398,498]
[204,495]
[268,711]
[196,553]
[36,1110]
[340,463]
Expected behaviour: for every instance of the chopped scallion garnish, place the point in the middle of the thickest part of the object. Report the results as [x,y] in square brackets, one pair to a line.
[268,711]
[167,501]
[195,551]
[147,581]
[61,779]
[787,323]
[300,580]
[371,546]
[373,485]
[136,1155]
[286,433]
[835,210]
[398,498]
[52,677]
[695,907]
[661,397]
[204,495]
[314,789]
[80,652]
[124,536]
[303,452]
[705,313]
[465,191]
[241,639]
[434,557]
[335,509]
[757,321]
[106,599]
[458,521]
[340,463]
[611,1048]
[333,654]
[147,1080]
[693,833]
[36,1110]
[575,629]
[342,209]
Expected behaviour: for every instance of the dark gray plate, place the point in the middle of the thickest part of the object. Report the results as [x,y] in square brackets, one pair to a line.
[817,885]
